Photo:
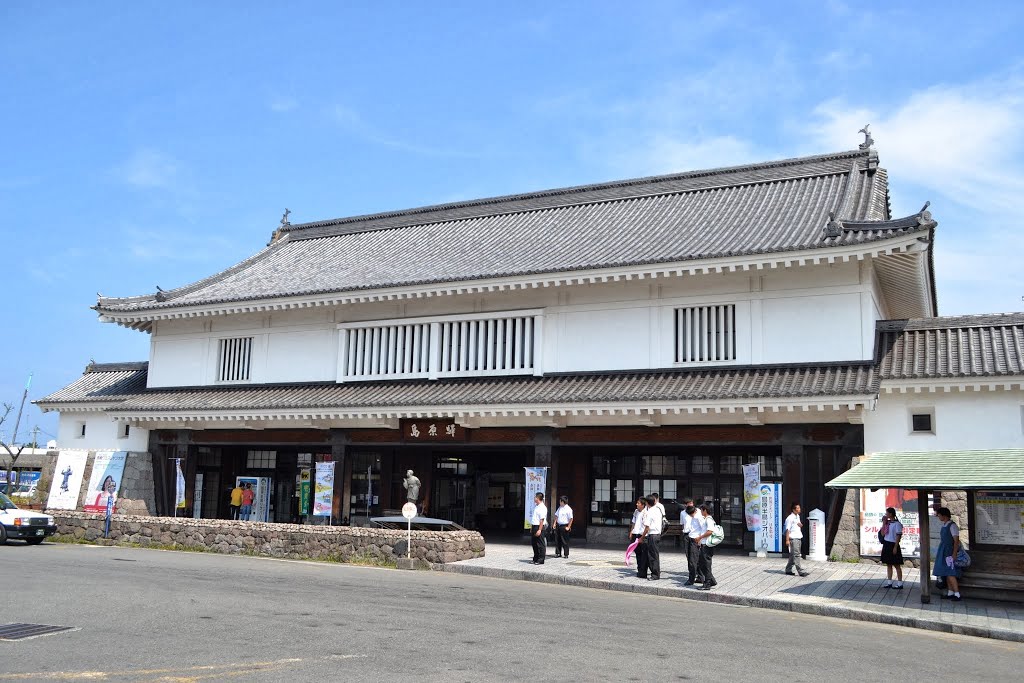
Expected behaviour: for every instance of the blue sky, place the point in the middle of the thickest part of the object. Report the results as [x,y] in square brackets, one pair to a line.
[155,143]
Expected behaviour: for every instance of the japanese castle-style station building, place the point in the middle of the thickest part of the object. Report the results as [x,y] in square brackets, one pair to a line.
[644,335]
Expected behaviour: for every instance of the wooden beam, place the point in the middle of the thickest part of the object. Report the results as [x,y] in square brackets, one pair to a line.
[923,508]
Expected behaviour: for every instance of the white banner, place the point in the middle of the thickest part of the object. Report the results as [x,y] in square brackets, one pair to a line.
[769,537]
[536,480]
[179,488]
[67,480]
[323,489]
[107,470]
[752,496]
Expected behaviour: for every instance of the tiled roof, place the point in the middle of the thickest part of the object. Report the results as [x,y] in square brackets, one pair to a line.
[750,383]
[936,471]
[951,347]
[757,209]
[101,383]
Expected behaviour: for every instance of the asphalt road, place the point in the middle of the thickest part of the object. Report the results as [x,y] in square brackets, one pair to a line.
[146,615]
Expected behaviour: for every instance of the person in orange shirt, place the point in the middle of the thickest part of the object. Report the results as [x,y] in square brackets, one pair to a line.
[247,497]
[236,500]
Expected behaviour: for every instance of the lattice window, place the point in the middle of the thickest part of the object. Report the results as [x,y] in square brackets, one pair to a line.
[260,460]
[705,334]
[387,351]
[462,346]
[234,359]
[498,345]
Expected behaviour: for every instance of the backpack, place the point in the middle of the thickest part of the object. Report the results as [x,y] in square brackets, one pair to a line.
[716,537]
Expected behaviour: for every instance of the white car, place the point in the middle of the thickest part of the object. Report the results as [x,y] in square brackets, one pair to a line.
[29,525]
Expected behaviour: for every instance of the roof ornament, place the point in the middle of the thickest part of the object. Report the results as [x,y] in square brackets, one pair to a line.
[924,216]
[161,295]
[282,227]
[834,228]
[868,140]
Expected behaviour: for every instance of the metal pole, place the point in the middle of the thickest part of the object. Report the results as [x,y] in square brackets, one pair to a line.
[923,508]
[17,421]
[408,542]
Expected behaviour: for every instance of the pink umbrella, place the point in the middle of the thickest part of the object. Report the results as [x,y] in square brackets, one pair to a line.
[630,549]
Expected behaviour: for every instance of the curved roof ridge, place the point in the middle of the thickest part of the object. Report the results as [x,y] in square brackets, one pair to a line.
[579,189]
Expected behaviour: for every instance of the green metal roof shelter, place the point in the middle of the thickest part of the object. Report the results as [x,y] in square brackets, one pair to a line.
[936,471]
[928,471]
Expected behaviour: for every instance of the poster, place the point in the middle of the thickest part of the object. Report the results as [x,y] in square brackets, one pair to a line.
[536,481]
[261,497]
[179,487]
[197,497]
[769,536]
[67,480]
[872,509]
[323,492]
[107,470]
[999,517]
[752,496]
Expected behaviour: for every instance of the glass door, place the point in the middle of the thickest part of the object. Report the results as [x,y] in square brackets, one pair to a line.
[730,512]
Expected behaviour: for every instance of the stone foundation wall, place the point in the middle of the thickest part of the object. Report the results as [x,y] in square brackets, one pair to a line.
[338,544]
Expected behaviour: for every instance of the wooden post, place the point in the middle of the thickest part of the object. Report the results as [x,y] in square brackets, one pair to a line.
[923,507]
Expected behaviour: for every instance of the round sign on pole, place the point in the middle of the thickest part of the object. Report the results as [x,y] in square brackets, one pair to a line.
[409,510]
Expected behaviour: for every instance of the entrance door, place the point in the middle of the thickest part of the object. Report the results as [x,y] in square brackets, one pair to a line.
[730,512]
[454,494]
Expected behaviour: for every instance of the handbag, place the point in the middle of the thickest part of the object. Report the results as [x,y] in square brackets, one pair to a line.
[716,537]
[882,532]
[963,560]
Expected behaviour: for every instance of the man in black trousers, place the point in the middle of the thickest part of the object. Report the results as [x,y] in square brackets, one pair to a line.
[538,522]
[687,518]
[651,537]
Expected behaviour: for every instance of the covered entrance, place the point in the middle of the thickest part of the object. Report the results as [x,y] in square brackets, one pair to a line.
[480,491]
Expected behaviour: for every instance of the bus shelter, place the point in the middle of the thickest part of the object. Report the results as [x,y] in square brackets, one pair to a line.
[994,482]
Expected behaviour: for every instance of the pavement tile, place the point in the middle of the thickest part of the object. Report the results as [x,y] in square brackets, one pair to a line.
[844,590]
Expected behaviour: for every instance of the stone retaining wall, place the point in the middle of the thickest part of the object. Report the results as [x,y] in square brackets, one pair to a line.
[338,544]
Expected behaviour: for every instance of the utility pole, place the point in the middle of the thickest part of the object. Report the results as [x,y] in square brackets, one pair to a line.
[17,421]
[35,437]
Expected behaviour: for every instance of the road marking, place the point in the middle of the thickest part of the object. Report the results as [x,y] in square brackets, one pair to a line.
[182,675]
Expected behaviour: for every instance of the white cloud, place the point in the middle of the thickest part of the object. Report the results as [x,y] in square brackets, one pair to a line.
[663,153]
[964,142]
[149,168]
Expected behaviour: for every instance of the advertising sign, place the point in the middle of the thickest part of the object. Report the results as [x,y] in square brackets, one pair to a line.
[107,470]
[323,491]
[179,487]
[999,517]
[752,496]
[67,480]
[261,497]
[872,509]
[304,491]
[769,536]
[536,480]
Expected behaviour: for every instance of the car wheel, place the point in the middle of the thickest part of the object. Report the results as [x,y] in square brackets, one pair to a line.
[3,535]
[34,541]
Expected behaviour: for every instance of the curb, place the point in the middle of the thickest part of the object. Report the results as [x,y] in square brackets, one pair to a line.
[831,610]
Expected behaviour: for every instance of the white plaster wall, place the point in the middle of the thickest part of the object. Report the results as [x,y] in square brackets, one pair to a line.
[798,315]
[963,420]
[101,433]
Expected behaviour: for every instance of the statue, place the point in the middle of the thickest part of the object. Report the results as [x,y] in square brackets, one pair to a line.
[868,140]
[412,486]
[284,218]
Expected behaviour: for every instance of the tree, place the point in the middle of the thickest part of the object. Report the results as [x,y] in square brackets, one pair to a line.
[13,451]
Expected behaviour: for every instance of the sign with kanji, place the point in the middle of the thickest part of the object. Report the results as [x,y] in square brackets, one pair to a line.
[432,430]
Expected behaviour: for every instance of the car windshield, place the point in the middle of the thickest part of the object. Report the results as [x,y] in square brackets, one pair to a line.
[6,502]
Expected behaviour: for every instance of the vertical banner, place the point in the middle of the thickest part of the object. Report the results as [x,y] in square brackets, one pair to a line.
[304,491]
[197,497]
[752,496]
[872,508]
[769,537]
[67,480]
[536,481]
[323,491]
[107,470]
[179,486]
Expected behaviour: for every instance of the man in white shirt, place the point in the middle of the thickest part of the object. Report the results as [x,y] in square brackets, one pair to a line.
[635,532]
[563,525]
[538,522]
[657,504]
[794,541]
[692,523]
[707,552]
[652,536]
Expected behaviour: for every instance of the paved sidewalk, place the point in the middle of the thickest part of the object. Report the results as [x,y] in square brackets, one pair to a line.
[834,589]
